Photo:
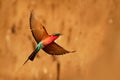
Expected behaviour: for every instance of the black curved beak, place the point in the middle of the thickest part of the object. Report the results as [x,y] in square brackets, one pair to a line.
[60,34]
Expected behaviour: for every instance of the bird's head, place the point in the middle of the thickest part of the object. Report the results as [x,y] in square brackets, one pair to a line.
[57,34]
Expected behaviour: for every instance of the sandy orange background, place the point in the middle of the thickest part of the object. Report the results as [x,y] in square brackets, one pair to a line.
[91,27]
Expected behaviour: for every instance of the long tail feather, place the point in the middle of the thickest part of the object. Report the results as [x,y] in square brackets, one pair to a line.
[25,61]
[34,53]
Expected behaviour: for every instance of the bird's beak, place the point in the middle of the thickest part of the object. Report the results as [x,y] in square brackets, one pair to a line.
[60,34]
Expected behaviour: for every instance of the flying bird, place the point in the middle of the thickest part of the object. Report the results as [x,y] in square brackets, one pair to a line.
[44,40]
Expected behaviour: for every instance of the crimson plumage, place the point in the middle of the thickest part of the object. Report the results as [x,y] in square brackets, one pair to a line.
[44,40]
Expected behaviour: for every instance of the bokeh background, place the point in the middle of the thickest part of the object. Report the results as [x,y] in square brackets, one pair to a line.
[91,27]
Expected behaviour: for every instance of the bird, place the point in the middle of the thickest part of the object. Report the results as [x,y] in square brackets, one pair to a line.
[44,41]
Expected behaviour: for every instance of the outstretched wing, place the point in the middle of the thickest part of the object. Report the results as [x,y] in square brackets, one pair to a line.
[55,49]
[38,30]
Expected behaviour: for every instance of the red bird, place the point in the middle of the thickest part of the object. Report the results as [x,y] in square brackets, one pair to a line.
[44,40]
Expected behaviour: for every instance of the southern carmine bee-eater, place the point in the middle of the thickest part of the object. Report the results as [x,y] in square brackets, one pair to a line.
[44,40]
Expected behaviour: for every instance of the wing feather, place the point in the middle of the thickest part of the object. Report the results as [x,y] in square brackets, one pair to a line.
[54,49]
[38,30]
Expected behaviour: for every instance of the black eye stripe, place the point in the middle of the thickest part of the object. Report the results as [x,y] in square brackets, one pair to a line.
[56,34]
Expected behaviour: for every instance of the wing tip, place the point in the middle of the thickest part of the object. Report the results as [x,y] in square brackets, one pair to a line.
[31,12]
[30,19]
[72,51]
[31,16]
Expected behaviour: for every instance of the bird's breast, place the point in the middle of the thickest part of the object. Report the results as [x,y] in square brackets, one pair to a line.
[48,40]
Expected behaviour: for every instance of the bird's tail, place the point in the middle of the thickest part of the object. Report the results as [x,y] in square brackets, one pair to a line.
[32,56]
[25,61]
[34,53]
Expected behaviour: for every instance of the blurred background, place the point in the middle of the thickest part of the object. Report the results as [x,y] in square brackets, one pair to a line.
[91,27]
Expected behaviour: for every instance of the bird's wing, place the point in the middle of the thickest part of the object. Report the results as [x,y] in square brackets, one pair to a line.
[38,30]
[54,49]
